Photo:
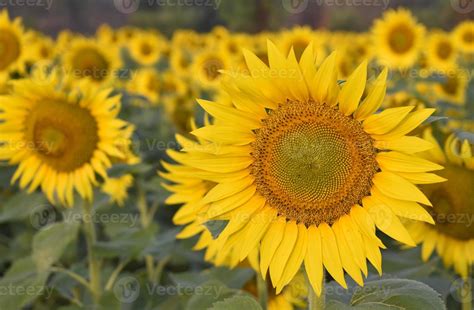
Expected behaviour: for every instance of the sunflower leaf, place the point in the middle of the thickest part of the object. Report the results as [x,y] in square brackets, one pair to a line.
[216,227]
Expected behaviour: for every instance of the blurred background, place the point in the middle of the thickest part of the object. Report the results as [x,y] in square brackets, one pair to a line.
[52,16]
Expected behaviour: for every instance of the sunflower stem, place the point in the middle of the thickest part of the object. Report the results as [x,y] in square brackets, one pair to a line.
[466,293]
[145,221]
[91,237]
[316,302]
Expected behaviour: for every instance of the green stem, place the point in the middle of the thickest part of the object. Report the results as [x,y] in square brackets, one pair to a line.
[94,265]
[262,291]
[466,294]
[316,302]
[145,221]
[73,275]
[114,275]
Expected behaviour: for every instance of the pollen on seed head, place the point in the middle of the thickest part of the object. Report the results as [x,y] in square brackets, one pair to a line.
[313,163]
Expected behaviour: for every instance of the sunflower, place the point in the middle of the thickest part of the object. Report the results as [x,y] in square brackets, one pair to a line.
[181,61]
[299,38]
[88,59]
[13,41]
[207,66]
[117,188]
[146,48]
[441,53]
[463,36]
[453,88]
[60,139]
[302,170]
[41,49]
[453,207]
[397,39]
[146,82]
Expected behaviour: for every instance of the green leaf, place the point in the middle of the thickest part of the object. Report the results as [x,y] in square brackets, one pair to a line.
[401,293]
[237,302]
[21,206]
[205,295]
[50,242]
[129,243]
[216,227]
[22,284]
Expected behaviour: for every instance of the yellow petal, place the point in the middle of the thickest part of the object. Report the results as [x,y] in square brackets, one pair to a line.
[352,91]
[229,114]
[374,99]
[331,256]
[324,80]
[313,261]
[404,208]
[296,258]
[421,177]
[347,260]
[387,221]
[256,228]
[400,162]
[386,120]
[405,144]
[270,243]
[283,252]
[397,187]
[412,121]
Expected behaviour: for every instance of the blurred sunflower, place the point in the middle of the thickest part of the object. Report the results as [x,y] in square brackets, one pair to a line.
[180,61]
[299,38]
[13,41]
[146,48]
[463,36]
[453,207]
[207,64]
[41,49]
[293,162]
[60,139]
[88,59]
[146,82]
[441,54]
[453,88]
[397,39]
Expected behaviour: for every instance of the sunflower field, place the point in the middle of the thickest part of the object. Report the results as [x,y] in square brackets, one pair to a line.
[298,168]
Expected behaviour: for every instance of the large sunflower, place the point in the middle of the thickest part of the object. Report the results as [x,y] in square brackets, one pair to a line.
[303,170]
[398,39]
[13,40]
[453,207]
[60,139]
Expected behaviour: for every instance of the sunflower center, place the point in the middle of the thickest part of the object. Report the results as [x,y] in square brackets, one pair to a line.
[10,48]
[450,86]
[89,62]
[453,206]
[468,37]
[211,68]
[312,163]
[401,39]
[63,135]
[146,49]
[444,50]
